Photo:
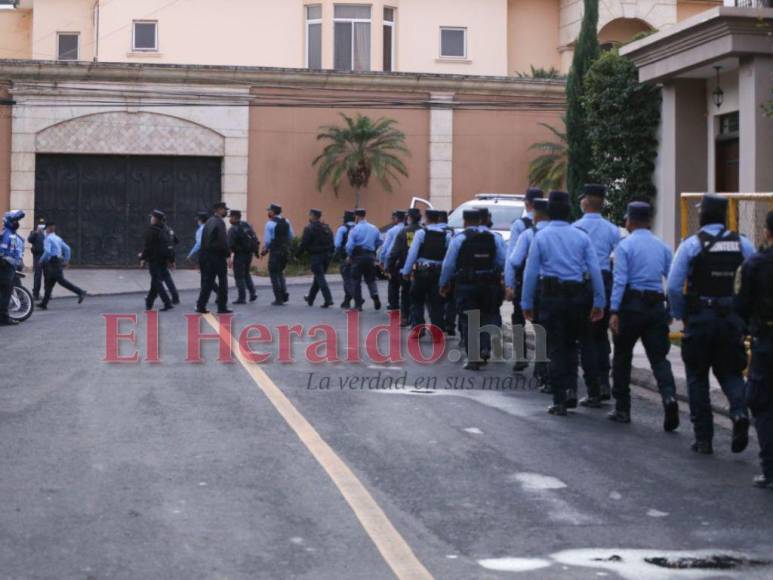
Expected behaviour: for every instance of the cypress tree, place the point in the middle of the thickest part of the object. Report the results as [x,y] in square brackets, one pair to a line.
[579,147]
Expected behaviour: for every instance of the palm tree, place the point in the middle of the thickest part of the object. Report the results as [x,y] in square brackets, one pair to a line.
[359,149]
[548,171]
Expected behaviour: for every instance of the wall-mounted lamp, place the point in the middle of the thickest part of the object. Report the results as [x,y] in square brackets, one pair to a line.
[718,94]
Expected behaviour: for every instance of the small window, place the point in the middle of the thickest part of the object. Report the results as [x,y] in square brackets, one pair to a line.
[67,45]
[453,43]
[389,39]
[729,124]
[314,37]
[145,36]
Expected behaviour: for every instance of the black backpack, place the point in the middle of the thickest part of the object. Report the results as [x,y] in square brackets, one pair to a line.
[281,232]
[251,238]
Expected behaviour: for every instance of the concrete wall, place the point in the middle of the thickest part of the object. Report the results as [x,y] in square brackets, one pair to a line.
[491,150]
[15,34]
[281,149]
[52,16]
[755,88]
[689,8]
[5,152]
[532,35]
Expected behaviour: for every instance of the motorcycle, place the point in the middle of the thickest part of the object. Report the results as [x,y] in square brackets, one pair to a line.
[22,304]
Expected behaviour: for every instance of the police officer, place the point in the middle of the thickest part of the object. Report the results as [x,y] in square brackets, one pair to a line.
[425,259]
[361,248]
[341,237]
[449,301]
[156,254]
[317,240]
[36,239]
[714,333]
[523,224]
[11,253]
[393,286]
[213,261]
[56,255]
[638,311]
[475,261]
[244,245]
[171,239]
[754,302]
[277,237]
[595,344]
[399,254]
[562,255]
[516,262]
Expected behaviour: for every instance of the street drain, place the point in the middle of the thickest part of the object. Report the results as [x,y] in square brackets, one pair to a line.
[711,562]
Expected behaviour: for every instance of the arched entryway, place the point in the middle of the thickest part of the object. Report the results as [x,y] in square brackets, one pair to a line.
[621,31]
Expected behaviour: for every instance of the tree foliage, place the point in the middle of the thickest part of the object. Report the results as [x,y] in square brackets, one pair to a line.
[548,170]
[623,117]
[585,54]
[359,149]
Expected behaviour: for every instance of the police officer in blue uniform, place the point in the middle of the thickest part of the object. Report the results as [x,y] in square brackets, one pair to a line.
[475,261]
[754,302]
[560,258]
[364,240]
[526,221]
[638,312]
[11,253]
[56,256]
[397,256]
[701,291]
[425,258]
[516,262]
[449,301]
[277,236]
[341,237]
[393,286]
[595,344]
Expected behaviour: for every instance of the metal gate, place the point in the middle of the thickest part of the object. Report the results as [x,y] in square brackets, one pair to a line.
[101,203]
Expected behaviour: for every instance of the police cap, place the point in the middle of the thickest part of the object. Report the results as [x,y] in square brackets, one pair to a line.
[713,209]
[433,214]
[534,193]
[348,216]
[220,205]
[639,211]
[541,206]
[235,213]
[398,214]
[360,212]
[158,214]
[317,213]
[471,215]
[414,213]
[274,208]
[202,215]
[594,190]
[559,206]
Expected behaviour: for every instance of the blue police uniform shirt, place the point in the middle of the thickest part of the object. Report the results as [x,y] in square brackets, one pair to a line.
[364,235]
[55,247]
[268,232]
[389,241]
[418,240]
[603,234]
[520,253]
[516,230]
[197,246]
[449,264]
[688,250]
[642,262]
[11,248]
[564,252]
[340,234]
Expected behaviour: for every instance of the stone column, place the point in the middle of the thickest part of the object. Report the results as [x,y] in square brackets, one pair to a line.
[683,155]
[755,83]
[441,151]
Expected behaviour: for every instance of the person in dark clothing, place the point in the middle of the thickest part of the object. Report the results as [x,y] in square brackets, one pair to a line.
[155,254]
[277,238]
[341,237]
[317,240]
[213,261]
[754,303]
[172,241]
[244,244]
[398,256]
[36,239]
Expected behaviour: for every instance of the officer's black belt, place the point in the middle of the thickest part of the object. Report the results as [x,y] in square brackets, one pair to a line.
[428,267]
[551,285]
[645,295]
[360,251]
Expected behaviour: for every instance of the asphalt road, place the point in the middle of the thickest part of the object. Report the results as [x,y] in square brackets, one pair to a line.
[178,470]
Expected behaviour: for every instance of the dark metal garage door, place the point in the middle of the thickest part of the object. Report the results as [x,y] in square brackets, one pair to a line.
[101,202]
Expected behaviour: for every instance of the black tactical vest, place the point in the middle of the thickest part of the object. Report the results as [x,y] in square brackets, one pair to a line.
[281,233]
[434,246]
[478,253]
[712,271]
[763,278]
[527,221]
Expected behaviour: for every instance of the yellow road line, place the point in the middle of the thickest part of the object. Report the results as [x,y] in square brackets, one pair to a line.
[394,549]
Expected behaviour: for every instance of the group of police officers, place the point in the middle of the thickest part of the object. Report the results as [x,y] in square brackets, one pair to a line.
[577,281]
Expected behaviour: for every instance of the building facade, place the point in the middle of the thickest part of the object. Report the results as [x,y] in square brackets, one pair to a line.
[110,107]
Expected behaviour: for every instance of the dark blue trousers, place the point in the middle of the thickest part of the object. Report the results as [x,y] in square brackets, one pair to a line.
[760,398]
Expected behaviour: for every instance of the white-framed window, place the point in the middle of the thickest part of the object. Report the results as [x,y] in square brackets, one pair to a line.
[314,36]
[453,42]
[145,36]
[68,45]
[351,50]
[389,39]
